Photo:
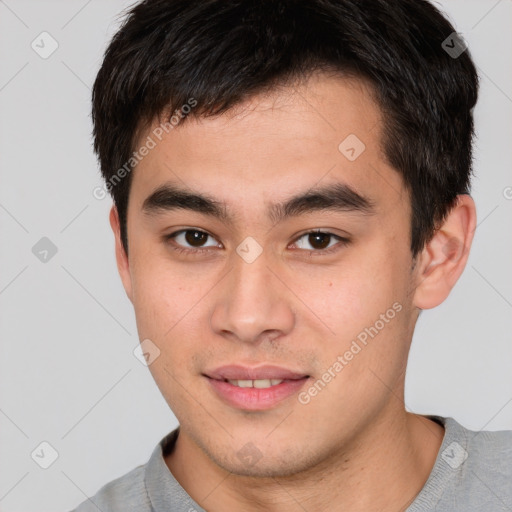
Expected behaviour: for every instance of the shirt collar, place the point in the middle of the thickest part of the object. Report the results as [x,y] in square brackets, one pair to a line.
[164,491]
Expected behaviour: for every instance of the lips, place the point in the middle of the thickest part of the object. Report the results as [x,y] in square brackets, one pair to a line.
[238,372]
[257,388]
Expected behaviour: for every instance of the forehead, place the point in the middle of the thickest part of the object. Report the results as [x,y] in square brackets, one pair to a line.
[327,129]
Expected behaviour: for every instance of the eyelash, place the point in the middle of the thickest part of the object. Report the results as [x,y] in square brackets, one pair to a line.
[319,252]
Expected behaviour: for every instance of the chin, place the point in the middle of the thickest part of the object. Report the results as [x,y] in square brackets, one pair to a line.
[268,462]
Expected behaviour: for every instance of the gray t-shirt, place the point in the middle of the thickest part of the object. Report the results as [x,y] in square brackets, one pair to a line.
[472,472]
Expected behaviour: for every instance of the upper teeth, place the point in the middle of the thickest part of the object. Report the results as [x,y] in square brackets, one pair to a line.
[259,383]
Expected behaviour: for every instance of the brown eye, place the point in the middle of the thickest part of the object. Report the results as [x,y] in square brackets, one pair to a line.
[320,242]
[191,240]
[196,238]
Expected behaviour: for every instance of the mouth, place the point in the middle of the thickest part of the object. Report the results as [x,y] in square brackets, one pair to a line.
[254,388]
[257,383]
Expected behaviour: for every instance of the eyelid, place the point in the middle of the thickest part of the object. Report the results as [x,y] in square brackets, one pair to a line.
[184,230]
[342,241]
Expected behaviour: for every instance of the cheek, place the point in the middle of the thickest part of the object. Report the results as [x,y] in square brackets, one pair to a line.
[161,292]
[167,303]
[350,296]
[361,365]
[364,310]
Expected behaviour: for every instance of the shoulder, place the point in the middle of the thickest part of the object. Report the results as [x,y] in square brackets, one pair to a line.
[480,468]
[126,493]
[131,492]
[472,471]
[490,452]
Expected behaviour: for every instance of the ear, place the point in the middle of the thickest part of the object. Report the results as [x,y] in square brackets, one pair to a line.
[123,265]
[444,257]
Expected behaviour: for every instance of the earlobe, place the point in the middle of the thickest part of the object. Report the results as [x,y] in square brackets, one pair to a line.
[122,261]
[444,257]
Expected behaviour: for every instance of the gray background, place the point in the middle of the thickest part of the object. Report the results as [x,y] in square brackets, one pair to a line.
[68,375]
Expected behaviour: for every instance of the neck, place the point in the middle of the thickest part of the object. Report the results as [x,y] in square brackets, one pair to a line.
[384,469]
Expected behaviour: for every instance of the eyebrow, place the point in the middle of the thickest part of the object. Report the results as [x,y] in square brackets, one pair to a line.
[338,197]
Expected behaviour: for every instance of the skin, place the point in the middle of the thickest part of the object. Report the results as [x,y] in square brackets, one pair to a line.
[353,446]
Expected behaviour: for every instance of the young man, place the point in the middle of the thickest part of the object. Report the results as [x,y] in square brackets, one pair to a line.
[291,189]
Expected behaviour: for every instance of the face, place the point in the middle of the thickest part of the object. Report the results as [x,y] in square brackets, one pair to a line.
[335,307]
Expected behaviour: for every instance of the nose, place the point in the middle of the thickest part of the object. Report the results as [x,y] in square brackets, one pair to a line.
[252,303]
